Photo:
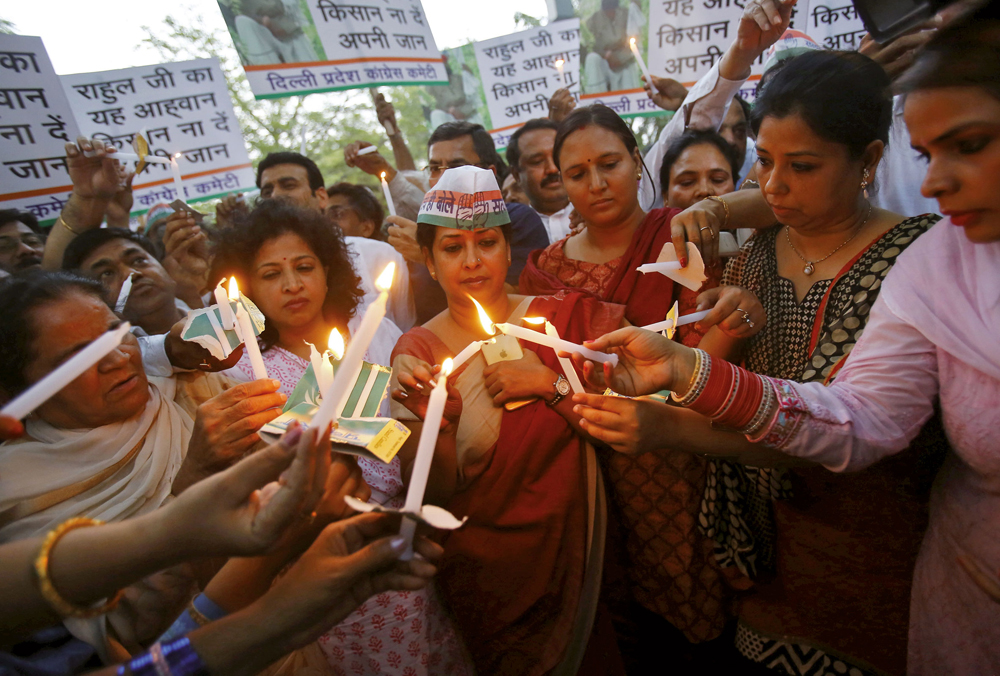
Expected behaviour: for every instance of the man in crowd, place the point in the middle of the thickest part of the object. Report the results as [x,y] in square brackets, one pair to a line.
[355,210]
[21,241]
[457,144]
[296,178]
[533,168]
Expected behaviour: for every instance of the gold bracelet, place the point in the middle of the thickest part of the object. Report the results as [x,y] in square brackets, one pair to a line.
[66,225]
[725,206]
[63,607]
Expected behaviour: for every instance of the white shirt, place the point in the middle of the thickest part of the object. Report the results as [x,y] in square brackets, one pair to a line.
[371,256]
[704,107]
[557,224]
[901,172]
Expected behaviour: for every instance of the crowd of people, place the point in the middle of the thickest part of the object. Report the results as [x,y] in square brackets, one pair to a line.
[801,482]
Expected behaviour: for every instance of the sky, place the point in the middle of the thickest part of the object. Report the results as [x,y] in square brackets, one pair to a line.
[115,26]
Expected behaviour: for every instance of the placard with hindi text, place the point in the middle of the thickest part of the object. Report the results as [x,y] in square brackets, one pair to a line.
[35,124]
[185,110]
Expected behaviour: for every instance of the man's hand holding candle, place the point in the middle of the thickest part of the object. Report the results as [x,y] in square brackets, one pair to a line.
[403,238]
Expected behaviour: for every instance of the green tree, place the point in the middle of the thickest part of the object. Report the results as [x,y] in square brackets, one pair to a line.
[8,27]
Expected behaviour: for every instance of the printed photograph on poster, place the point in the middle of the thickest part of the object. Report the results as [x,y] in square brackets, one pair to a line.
[296,47]
[462,98]
[272,31]
[186,115]
[520,72]
[35,124]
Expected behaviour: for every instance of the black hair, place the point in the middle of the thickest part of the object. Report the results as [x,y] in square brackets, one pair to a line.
[274,159]
[697,137]
[844,97]
[481,141]
[236,249]
[87,242]
[964,54]
[745,105]
[26,217]
[362,201]
[513,148]
[20,296]
[426,232]
[597,115]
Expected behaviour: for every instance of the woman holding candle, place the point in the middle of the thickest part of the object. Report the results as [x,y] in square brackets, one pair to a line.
[297,270]
[111,443]
[522,574]
[822,123]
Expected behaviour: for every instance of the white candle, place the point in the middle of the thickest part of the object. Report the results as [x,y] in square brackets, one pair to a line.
[425,455]
[560,64]
[175,169]
[662,268]
[302,141]
[222,300]
[368,150]
[681,321]
[470,351]
[567,365]
[322,366]
[126,157]
[335,397]
[123,294]
[557,344]
[642,64]
[388,196]
[64,374]
[249,338]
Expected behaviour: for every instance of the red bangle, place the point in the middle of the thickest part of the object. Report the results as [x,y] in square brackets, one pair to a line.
[732,395]
[747,401]
[717,390]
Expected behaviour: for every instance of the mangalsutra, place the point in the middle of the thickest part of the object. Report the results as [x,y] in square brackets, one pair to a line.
[810,266]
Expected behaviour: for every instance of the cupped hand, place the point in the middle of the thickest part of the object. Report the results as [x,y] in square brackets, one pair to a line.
[700,223]
[519,379]
[96,177]
[561,105]
[647,362]
[629,426]
[372,163]
[403,238]
[735,310]
[187,258]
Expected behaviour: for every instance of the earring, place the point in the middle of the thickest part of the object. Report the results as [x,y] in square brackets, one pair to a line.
[864,184]
[433,275]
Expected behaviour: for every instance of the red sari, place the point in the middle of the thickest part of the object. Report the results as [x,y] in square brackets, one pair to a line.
[671,569]
[513,574]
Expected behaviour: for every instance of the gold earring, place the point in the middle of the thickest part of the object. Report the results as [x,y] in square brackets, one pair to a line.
[864,184]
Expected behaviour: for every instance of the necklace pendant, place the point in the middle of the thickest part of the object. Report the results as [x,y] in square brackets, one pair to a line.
[809,269]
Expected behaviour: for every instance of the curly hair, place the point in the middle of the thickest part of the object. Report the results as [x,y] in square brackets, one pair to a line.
[236,249]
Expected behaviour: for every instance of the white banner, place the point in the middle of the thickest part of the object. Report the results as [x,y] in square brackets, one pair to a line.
[520,73]
[834,24]
[35,123]
[336,46]
[186,111]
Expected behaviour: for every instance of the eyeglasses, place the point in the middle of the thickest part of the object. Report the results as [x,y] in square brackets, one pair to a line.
[436,169]
[9,245]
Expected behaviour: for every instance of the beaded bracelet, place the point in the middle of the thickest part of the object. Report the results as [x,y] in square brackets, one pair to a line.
[177,658]
[45,586]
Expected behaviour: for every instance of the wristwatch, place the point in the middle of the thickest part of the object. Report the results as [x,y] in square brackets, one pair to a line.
[562,389]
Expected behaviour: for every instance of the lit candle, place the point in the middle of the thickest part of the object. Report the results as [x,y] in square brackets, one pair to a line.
[335,397]
[557,344]
[222,300]
[244,329]
[322,366]
[560,64]
[425,455]
[470,351]
[683,320]
[388,196]
[642,64]
[175,169]
[64,374]
[115,154]
[567,365]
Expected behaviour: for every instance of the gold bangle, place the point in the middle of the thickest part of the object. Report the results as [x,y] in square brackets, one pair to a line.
[199,617]
[66,225]
[725,206]
[63,607]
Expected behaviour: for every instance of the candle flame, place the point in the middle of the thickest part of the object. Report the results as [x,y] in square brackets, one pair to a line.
[484,318]
[336,345]
[631,41]
[446,367]
[560,63]
[384,281]
[534,320]
[383,175]
[234,289]
[176,155]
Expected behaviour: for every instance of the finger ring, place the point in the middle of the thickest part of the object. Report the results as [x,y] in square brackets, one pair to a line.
[746,317]
[711,233]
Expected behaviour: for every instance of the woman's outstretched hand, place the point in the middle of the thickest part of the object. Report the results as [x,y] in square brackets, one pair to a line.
[647,363]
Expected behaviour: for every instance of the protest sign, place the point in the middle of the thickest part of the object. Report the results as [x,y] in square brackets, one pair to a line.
[461,97]
[186,112]
[35,124]
[834,24]
[288,52]
[520,72]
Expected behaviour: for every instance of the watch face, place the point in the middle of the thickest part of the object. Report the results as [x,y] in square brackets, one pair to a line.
[562,386]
